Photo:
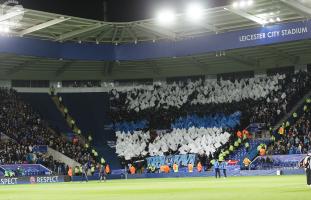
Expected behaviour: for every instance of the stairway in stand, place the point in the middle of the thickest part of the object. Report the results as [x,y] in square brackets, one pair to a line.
[90,110]
[61,108]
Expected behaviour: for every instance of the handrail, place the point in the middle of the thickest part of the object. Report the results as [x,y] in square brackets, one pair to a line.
[249,166]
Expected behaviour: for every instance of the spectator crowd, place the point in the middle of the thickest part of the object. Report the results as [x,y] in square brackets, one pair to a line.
[294,136]
[263,99]
[181,141]
[21,123]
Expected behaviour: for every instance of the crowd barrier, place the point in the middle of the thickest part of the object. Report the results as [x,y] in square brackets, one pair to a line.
[60,179]
[233,173]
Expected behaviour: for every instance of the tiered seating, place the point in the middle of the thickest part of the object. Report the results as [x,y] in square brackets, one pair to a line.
[241,152]
[201,92]
[218,120]
[294,136]
[261,99]
[27,169]
[19,121]
[90,113]
[44,105]
[164,106]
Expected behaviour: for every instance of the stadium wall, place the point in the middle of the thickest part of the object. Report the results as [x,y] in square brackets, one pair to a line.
[273,172]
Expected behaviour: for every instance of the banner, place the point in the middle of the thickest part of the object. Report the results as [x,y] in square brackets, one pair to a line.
[31,180]
[40,149]
[182,160]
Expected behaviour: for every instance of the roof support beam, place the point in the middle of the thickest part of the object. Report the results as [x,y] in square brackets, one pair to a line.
[20,66]
[149,33]
[108,67]
[302,9]
[103,34]
[201,65]
[114,34]
[42,26]
[75,33]
[241,60]
[247,16]
[158,31]
[122,35]
[284,55]
[131,33]
[10,15]
[210,27]
[63,68]
[154,66]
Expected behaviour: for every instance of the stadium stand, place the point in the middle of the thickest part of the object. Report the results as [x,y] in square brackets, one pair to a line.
[44,105]
[264,99]
[13,153]
[277,94]
[90,110]
[296,135]
[22,124]
[182,141]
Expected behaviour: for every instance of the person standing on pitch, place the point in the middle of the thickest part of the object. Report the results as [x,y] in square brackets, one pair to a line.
[102,173]
[307,166]
[223,166]
[84,172]
[217,170]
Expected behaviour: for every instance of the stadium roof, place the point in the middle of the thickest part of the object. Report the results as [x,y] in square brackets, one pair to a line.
[221,19]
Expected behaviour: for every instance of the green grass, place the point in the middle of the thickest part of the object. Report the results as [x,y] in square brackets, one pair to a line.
[233,188]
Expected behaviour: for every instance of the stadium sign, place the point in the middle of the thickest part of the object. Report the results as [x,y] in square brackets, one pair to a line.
[274,34]
[45,179]
[32,180]
[8,181]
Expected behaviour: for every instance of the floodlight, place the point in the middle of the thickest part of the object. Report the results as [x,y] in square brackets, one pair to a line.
[242,4]
[195,12]
[250,2]
[4,29]
[166,17]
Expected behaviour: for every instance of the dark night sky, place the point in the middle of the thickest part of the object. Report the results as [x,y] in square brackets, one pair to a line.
[117,10]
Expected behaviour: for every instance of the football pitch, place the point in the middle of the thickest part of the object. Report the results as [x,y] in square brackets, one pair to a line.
[232,188]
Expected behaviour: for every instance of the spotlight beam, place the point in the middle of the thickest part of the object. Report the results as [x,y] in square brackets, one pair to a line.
[42,26]
[247,16]
[10,15]
[159,31]
[210,27]
[302,9]
[78,32]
